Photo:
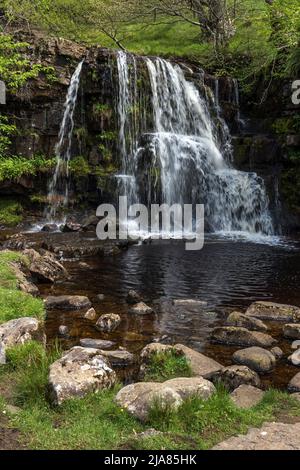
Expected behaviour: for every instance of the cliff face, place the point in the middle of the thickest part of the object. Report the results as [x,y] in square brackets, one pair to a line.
[259,143]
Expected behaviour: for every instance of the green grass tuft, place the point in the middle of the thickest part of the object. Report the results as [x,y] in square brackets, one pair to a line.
[167,365]
[10,213]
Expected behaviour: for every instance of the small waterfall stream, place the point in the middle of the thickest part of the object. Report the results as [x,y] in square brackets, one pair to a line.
[58,194]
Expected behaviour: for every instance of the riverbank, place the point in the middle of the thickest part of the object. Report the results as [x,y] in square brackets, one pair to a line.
[97,420]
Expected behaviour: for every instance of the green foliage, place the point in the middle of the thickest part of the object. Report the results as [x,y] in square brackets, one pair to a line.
[108,136]
[102,110]
[167,365]
[25,355]
[10,212]
[79,167]
[7,275]
[6,131]
[12,168]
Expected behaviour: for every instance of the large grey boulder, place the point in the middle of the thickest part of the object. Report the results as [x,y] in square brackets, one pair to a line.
[291,331]
[244,321]
[108,323]
[237,336]
[274,312]
[45,267]
[200,364]
[67,302]
[257,359]
[79,371]
[233,376]
[246,396]
[20,331]
[294,385]
[139,398]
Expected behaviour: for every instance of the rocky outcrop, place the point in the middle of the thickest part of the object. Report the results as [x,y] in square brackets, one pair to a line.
[246,396]
[274,312]
[45,267]
[20,331]
[236,336]
[108,323]
[139,398]
[258,359]
[67,302]
[80,371]
[240,320]
[233,376]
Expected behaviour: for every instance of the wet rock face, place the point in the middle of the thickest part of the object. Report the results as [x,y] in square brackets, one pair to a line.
[67,302]
[257,359]
[238,336]
[80,371]
[138,398]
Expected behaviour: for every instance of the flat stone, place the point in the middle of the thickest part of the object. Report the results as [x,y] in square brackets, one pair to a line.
[240,320]
[274,312]
[271,436]
[291,331]
[79,371]
[257,359]
[237,336]
[108,323]
[233,376]
[141,309]
[138,398]
[246,396]
[96,343]
[294,385]
[119,358]
[67,302]
[90,314]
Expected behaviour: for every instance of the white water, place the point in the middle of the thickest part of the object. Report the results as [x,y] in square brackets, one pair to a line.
[190,155]
[58,194]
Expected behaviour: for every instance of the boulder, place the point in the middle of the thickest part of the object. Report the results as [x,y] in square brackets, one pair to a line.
[108,323]
[277,352]
[96,343]
[291,331]
[233,376]
[20,331]
[140,309]
[257,359]
[50,228]
[133,297]
[200,364]
[79,371]
[237,336]
[24,284]
[67,302]
[295,358]
[139,398]
[241,320]
[119,358]
[45,268]
[294,385]
[246,396]
[274,312]
[90,314]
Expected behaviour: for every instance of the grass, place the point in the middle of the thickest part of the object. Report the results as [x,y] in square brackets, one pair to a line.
[10,213]
[13,302]
[167,365]
[96,422]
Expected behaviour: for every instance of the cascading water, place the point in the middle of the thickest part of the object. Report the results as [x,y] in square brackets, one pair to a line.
[186,146]
[58,194]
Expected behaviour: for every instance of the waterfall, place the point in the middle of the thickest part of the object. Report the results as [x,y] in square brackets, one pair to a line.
[190,154]
[58,194]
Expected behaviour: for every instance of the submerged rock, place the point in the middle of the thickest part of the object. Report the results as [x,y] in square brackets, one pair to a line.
[67,302]
[90,314]
[140,309]
[246,396]
[63,330]
[240,320]
[189,303]
[274,312]
[292,331]
[294,385]
[79,372]
[238,336]
[133,297]
[138,398]
[96,343]
[108,323]
[20,331]
[258,359]
[233,376]
[45,267]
